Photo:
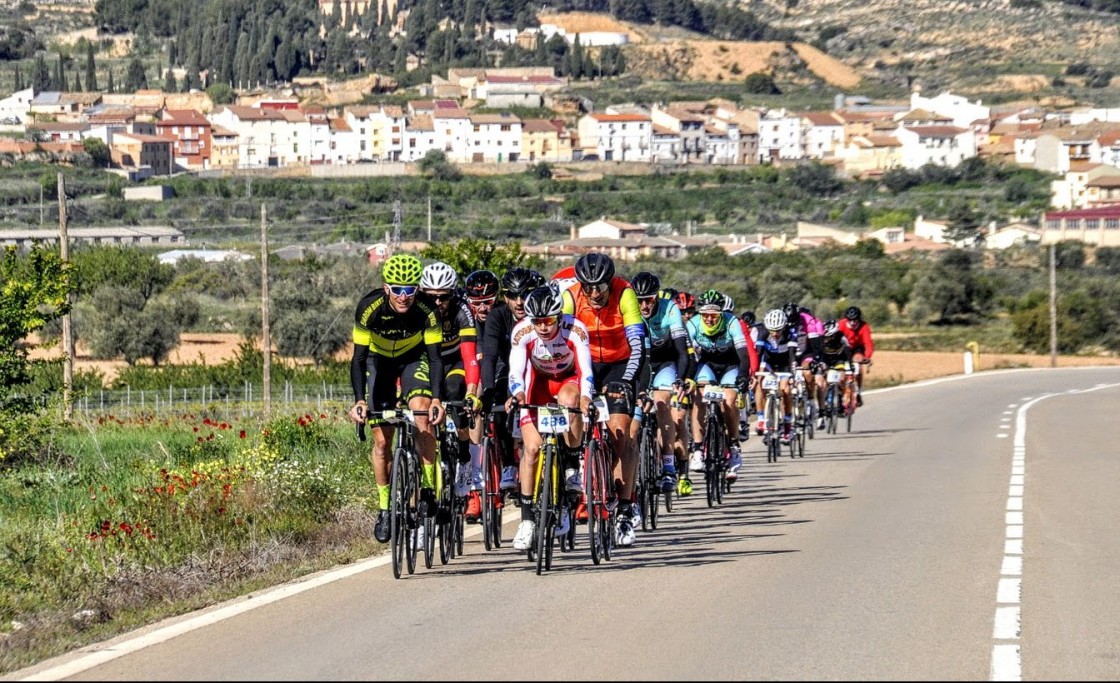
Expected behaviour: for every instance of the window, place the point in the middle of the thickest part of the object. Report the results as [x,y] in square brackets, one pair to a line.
[1092,223]
[1112,223]
[1073,223]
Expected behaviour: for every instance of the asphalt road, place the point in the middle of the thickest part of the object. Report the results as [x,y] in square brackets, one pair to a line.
[964,530]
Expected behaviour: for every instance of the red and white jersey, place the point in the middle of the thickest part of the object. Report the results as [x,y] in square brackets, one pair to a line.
[566,354]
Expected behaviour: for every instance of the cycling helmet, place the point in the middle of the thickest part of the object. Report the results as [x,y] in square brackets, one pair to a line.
[775,320]
[594,269]
[748,317]
[728,304]
[792,311]
[645,284]
[519,281]
[853,313]
[544,301]
[832,338]
[439,275]
[685,301]
[481,284]
[710,301]
[402,269]
[668,293]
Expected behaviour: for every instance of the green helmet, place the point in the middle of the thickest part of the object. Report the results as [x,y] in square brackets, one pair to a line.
[402,269]
[711,300]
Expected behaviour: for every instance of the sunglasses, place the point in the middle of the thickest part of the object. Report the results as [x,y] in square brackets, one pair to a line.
[601,288]
[514,296]
[403,290]
[479,303]
[647,299]
[439,298]
[547,320]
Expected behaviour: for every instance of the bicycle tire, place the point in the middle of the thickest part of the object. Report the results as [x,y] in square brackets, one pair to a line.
[591,485]
[544,507]
[833,408]
[711,453]
[851,407]
[488,488]
[773,427]
[442,521]
[398,512]
[606,530]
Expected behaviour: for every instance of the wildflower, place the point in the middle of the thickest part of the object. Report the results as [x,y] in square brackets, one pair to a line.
[242,434]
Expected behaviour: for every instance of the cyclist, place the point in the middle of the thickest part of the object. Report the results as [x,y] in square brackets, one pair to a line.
[606,304]
[858,333]
[666,368]
[687,303]
[724,361]
[550,361]
[776,353]
[515,285]
[398,338]
[460,364]
[834,353]
[805,329]
[481,289]
[747,397]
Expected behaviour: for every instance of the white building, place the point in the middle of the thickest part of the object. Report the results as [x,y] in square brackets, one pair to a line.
[16,108]
[419,138]
[495,137]
[938,145]
[779,136]
[616,137]
[262,134]
[452,131]
[959,108]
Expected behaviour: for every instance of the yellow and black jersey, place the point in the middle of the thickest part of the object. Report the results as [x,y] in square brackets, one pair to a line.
[391,334]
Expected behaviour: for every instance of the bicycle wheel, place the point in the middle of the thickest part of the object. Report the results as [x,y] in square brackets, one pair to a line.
[832,404]
[851,408]
[606,529]
[811,416]
[398,511]
[773,420]
[412,510]
[711,450]
[544,508]
[443,515]
[593,499]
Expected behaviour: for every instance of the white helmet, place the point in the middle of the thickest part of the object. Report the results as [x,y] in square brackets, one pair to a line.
[775,320]
[439,275]
[728,304]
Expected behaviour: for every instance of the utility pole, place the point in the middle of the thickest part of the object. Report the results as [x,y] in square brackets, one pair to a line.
[397,218]
[266,335]
[1053,306]
[429,220]
[40,205]
[67,329]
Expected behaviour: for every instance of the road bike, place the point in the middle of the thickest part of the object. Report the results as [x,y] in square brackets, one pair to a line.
[449,524]
[839,385]
[771,383]
[550,498]
[802,415]
[598,482]
[493,498]
[650,466]
[714,445]
[407,512]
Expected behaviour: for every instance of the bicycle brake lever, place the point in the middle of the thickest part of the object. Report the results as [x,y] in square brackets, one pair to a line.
[361,426]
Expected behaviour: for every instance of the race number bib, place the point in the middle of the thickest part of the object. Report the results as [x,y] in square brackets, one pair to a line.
[551,421]
[834,375]
[771,382]
[712,394]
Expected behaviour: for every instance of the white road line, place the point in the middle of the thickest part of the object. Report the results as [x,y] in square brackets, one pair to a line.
[1006,663]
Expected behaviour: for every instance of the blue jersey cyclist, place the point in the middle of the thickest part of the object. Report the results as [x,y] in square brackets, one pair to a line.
[665,373]
[722,360]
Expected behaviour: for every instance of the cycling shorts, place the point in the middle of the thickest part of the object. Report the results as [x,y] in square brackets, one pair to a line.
[545,390]
[409,373]
[723,374]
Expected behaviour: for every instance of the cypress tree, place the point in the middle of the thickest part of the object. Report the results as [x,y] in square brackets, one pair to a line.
[91,69]
[111,87]
[19,77]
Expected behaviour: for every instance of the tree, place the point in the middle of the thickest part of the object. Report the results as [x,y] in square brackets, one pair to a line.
[128,267]
[91,68]
[435,165]
[98,152]
[303,321]
[35,287]
[760,83]
[135,79]
[41,75]
[964,224]
[470,254]
[221,93]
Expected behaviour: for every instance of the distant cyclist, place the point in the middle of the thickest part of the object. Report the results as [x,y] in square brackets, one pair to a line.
[858,334]
[776,353]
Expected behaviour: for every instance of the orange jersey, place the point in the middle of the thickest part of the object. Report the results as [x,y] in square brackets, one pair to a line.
[612,326]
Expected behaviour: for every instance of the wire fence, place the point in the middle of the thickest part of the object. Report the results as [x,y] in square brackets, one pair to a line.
[246,400]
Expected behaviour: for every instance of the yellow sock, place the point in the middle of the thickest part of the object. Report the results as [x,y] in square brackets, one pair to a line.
[428,476]
[383,497]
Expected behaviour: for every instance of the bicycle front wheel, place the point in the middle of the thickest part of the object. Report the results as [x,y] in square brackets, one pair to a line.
[398,511]
[545,523]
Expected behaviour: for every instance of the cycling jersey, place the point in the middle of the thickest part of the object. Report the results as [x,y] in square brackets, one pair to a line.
[725,349]
[806,330]
[859,340]
[616,329]
[776,355]
[566,354]
[459,338]
[403,337]
[843,356]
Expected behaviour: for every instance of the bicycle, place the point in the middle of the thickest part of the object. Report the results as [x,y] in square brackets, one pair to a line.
[550,498]
[407,513]
[650,466]
[449,525]
[493,498]
[771,383]
[598,483]
[802,415]
[839,382]
[853,403]
[714,446]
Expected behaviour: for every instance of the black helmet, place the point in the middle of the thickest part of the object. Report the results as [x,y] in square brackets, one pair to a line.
[481,284]
[594,269]
[519,281]
[831,329]
[832,339]
[748,317]
[645,284]
[853,313]
[544,301]
[792,311]
[668,293]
